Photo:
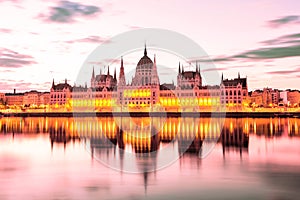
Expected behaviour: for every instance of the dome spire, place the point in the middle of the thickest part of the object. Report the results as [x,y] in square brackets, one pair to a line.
[145,50]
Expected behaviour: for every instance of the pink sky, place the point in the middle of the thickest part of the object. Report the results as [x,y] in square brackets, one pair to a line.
[39,42]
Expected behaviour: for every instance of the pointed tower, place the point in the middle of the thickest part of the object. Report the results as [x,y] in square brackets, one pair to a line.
[93,78]
[108,71]
[93,74]
[145,50]
[122,81]
[115,74]
[239,75]
[200,83]
[53,84]
[197,67]
[222,78]
[179,76]
[154,78]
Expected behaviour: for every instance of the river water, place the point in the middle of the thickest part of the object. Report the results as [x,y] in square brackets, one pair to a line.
[142,158]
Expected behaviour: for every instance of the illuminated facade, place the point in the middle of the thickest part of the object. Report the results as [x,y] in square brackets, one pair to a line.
[145,93]
[60,93]
[294,97]
[234,92]
[144,89]
[14,99]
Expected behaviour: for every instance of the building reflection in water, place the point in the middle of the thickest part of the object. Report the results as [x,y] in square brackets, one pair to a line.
[113,139]
[144,135]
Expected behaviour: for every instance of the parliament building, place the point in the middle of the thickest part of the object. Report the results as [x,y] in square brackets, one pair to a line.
[145,93]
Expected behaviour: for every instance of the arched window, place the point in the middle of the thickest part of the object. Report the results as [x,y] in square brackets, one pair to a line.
[230,93]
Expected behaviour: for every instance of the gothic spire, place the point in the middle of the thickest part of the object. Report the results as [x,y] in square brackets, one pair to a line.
[122,62]
[122,67]
[53,84]
[108,70]
[239,75]
[196,67]
[222,78]
[122,80]
[115,74]
[145,50]
[179,71]
[154,78]
[93,74]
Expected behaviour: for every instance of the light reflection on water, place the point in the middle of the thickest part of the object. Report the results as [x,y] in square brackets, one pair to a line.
[46,158]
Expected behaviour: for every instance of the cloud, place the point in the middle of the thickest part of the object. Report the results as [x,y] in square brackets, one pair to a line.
[207,59]
[285,72]
[271,53]
[5,30]
[67,11]
[89,39]
[282,21]
[21,85]
[215,69]
[285,46]
[284,40]
[133,27]
[12,59]
[6,71]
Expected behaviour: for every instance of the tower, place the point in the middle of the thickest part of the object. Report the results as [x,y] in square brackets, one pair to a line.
[93,78]
[154,75]
[53,84]
[122,81]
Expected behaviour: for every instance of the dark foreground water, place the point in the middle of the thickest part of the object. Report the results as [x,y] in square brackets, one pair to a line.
[63,158]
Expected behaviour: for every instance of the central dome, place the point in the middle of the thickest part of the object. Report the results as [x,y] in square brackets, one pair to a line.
[145,60]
